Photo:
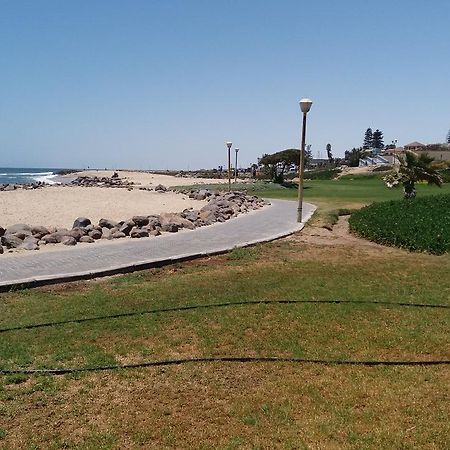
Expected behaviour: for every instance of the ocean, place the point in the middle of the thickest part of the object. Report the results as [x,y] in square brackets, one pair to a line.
[26,175]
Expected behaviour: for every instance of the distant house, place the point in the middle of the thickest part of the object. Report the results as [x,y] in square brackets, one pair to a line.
[414,146]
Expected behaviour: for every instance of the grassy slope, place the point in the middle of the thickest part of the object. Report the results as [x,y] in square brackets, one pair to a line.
[234,405]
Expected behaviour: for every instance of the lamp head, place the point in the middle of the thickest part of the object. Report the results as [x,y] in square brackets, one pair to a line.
[229,144]
[236,150]
[305,105]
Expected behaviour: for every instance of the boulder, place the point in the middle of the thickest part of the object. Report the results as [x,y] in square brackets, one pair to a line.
[140,221]
[126,227]
[69,240]
[170,227]
[138,233]
[108,223]
[2,231]
[155,233]
[10,241]
[81,222]
[160,188]
[106,233]
[95,234]
[22,234]
[87,239]
[176,219]
[50,238]
[118,235]
[77,233]
[1,250]
[28,246]
[38,231]
[18,227]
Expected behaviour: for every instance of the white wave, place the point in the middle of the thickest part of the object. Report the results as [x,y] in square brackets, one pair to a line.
[33,174]
[46,178]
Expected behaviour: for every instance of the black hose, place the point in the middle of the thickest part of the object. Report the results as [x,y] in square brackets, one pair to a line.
[221,305]
[231,359]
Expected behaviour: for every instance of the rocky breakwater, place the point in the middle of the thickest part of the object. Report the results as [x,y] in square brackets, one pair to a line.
[112,182]
[12,187]
[220,208]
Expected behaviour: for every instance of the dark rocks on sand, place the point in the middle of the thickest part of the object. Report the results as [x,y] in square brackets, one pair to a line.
[108,223]
[95,234]
[160,188]
[2,231]
[18,227]
[87,239]
[11,241]
[138,233]
[28,245]
[69,240]
[81,222]
[140,221]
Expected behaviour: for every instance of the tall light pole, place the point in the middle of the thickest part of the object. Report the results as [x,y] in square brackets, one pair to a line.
[229,144]
[235,167]
[305,106]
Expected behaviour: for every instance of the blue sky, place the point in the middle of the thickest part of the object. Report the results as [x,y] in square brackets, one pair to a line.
[163,84]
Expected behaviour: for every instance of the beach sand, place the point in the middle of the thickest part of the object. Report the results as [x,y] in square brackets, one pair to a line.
[60,205]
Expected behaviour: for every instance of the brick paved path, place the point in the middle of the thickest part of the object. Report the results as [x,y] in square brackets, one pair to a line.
[125,255]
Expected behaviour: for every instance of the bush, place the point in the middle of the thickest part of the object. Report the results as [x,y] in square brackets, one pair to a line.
[418,225]
[325,174]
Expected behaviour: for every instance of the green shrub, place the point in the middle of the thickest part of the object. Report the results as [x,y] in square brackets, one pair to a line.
[422,224]
[323,174]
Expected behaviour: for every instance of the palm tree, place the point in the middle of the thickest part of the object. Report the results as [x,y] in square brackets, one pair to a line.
[413,168]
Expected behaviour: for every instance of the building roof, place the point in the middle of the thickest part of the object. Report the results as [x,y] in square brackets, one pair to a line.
[415,144]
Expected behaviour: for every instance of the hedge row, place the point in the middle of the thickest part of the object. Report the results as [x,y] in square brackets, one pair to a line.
[422,224]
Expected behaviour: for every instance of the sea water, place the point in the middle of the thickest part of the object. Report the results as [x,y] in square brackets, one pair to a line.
[26,175]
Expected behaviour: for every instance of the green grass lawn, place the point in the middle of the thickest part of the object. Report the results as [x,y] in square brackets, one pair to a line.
[234,406]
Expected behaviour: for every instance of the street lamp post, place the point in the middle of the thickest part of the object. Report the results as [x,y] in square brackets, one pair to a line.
[305,106]
[236,166]
[229,144]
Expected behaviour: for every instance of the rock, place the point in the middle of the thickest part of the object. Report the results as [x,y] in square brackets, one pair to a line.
[118,235]
[87,239]
[77,233]
[160,188]
[1,250]
[140,221]
[31,239]
[2,231]
[126,227]
[106,233]
[11,241]
[170,227]
[18,227]
[155,233]
[107,223]
[22,234]
[95,234]
[138,233]
[69,240]
[28,246]
[50,238]
[181,222]
[38,231]
[81,222]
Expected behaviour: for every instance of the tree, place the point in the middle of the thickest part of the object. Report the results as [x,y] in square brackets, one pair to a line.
[308,155]
[377,140]
[329,154]
[448,137]
[413,168]
[368,139]
[353,156]
[274,165]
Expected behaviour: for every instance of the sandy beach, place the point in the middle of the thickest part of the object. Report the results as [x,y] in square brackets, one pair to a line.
[60,205]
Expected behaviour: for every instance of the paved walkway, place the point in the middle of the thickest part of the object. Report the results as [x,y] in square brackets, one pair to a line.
[127,255]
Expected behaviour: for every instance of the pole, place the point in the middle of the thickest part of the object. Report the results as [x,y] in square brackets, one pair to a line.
[301,171]
[235,169]
[229,169]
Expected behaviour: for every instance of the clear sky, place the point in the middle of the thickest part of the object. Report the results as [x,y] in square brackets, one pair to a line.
[164,83]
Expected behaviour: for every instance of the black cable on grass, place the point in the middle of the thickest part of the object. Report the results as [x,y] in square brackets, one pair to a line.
[221,305]
[219,359]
